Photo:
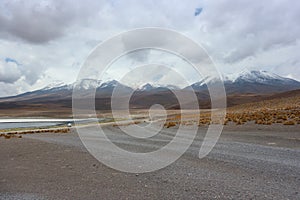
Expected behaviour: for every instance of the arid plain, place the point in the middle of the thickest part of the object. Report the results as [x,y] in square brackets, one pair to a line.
[256,157]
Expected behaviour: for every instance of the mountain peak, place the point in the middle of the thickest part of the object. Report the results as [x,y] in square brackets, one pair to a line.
[251,81]
[112,83]
[146,87]
[259,76]
[87,84]
[150,86]
[247,81]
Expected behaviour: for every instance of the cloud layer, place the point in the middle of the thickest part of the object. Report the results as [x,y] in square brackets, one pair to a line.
[50,39]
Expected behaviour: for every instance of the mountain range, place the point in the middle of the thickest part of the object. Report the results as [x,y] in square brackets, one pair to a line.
[247,86]
[259,82]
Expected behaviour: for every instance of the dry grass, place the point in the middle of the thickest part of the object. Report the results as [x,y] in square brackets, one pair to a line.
[19,134]
[277,111]
[283,111]
[126,124]
[291,122]
[170,124]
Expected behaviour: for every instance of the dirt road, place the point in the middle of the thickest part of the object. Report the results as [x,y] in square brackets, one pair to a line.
[247,163]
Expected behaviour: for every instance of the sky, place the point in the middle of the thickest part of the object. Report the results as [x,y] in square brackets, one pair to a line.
[42,42]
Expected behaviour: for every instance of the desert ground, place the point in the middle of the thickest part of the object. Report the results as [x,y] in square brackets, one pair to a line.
[256,157]
[250,161]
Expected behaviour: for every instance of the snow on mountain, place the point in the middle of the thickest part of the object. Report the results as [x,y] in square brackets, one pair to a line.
[86,84]
[250,81]
[146,87]
[109,84]
[254,76]
[206,80]
[171,87]
[151,86]
[56,86]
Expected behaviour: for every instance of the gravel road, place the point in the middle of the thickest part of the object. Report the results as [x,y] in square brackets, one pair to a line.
[246,163]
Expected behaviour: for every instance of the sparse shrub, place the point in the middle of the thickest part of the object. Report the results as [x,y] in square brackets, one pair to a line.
[258,121]
[292,116]
[7,136]
[290,122]
[283,117]
[177,117]
[239,122]
[170,124]
[267,123]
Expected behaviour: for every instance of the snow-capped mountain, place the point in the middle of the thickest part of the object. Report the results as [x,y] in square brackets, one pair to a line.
[257,77]
[86,84]
[109,84]
[250,82]
[254,76]
[244,82]
[258,82]
[57,85]
[155,87]
[145,87]
[106,89]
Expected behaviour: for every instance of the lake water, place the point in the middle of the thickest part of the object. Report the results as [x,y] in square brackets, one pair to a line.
[30,123]
[6,125]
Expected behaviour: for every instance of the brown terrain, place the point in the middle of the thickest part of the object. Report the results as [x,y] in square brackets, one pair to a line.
[45,107]
[256,157]
[283,108]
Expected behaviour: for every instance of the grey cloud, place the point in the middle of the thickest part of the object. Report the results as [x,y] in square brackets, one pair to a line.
[9,72]
[244,28]
[136,14]
[139,55]
[42,21]
[32,73]
[163,39]
[271,25]
[7,89]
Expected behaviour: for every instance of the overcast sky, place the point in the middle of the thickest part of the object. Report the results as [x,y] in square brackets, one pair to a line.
[47,41]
